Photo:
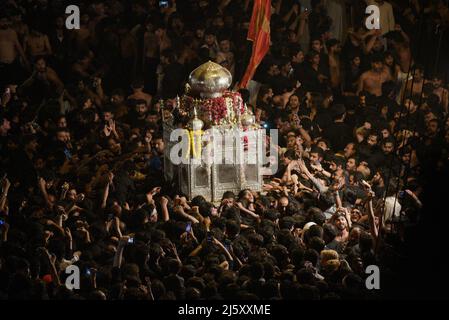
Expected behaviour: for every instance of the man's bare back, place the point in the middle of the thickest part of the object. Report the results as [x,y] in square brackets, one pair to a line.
[37,45]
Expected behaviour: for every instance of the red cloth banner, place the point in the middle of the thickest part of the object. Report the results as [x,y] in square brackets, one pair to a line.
[259,33]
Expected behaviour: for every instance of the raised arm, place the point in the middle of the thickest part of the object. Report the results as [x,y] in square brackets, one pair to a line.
[106,190]
[294,9]
[242,208]
[303,19]
[164,204]
[316,183]
[43,188]
[360,83]
[5,189]
[118,257]
[370,210]
[47,44]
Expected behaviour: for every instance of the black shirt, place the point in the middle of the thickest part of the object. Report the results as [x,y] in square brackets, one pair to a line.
[339,134]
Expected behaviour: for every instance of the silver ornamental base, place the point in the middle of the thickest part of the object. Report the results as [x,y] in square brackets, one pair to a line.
[212,180]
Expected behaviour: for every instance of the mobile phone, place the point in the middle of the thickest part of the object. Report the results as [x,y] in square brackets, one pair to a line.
[88,272]
[189,227]
[163,4]
[68,154]
[401,194]
[131,240]
[209,236]
[2,222]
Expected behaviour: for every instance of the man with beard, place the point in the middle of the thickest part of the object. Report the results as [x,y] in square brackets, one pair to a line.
[373,79]
[44,83]
[413,115]
[61,149]
[265,98]
[318,46]
[157,159]
[338,133]
[272,74]
[441,92]
[297,62]
[389,159]
[118,104]
[314,79]
[369,150]
[137,119]
[341,223]
[283,82]
[415,86]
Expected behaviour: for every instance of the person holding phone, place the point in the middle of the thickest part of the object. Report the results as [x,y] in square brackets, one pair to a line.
[164,4]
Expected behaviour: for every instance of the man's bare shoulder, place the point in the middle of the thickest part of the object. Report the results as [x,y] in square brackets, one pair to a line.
[10,34]
[51,73]
[386,72]
[366,74]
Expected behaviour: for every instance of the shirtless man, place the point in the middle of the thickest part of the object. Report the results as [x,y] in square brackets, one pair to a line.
[45,75]
[415,86]
[401,45]
[373,79]
[82,36]
[334,49]
[37,44]
[10,48]
[138,93]
[441,92]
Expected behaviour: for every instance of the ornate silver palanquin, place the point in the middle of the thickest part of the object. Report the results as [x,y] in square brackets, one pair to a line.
[237,163]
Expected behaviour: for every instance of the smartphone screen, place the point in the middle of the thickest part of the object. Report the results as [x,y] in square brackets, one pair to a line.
[2,222]
[189,227]
[163,4]
[131,240]
[88,272]
[67,154]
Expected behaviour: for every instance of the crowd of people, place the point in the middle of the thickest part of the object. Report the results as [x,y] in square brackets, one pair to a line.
[361,115]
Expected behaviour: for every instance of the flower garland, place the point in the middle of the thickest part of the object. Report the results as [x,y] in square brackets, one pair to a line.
[215,108]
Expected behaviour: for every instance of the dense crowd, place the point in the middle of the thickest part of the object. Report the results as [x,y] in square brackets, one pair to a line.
[361,114]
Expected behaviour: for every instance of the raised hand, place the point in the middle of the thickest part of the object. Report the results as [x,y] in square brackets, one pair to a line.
[110,177]
[164,201]
[107,130]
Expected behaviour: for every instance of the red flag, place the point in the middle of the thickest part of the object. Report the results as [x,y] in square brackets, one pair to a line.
[259,33]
